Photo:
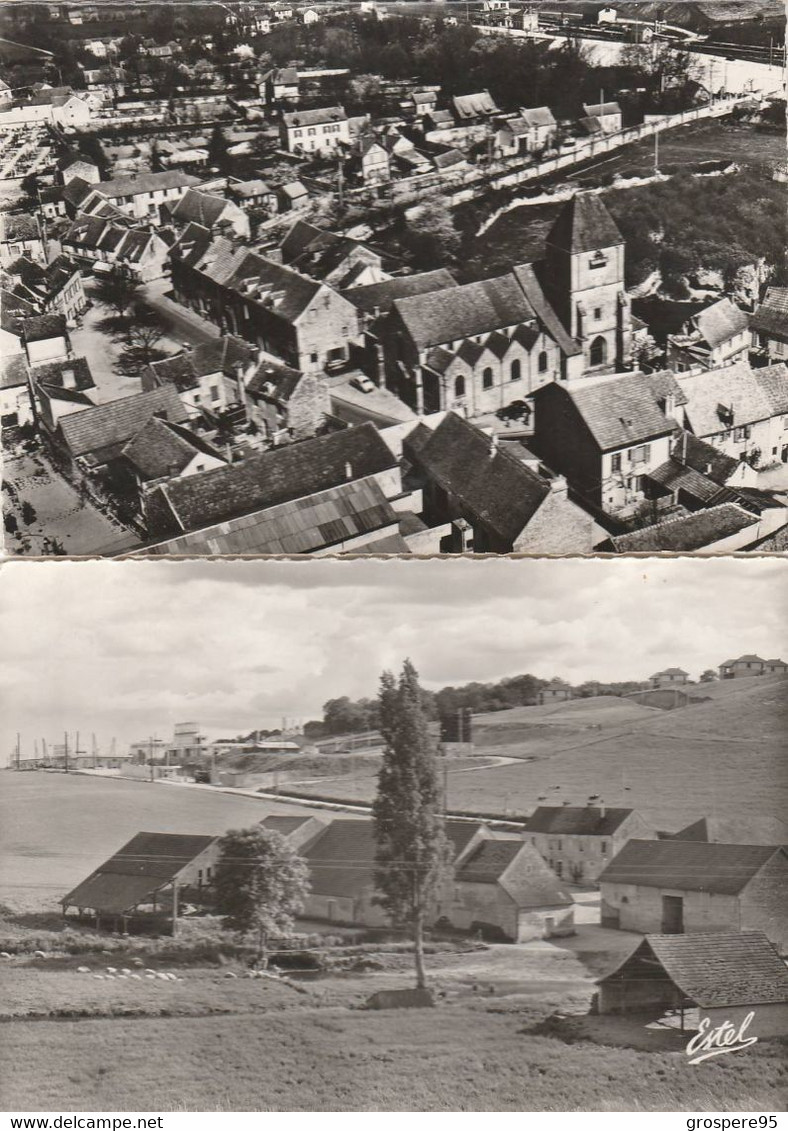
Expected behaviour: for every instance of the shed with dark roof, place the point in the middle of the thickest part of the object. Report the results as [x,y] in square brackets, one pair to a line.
[726,976]
[147,876]
[99,434]
[687,887]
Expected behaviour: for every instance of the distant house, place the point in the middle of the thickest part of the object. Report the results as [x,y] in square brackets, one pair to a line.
[669,677]
[16,409]
[556,691]
[579,841]
[370,164]
[206,209]
[422,102]
[254,194]
[720,528]
[493,502]
[280,85]
[608,114]
[20,235]
[741,410]
[474,107]
[146,880]
[293,196]
[163,450]
[320,131]
[728,977]
[679,887]
[56,288]
[739,829]
[208,376]
[769,324]
[60,388]
[141,196]
[94,239]
[532,132]
[775,667]
[45,337]
[713,337]
[605,434]
[744,667]
[340,261]
[296,829]
[606,15]
[273,502]
[74,165]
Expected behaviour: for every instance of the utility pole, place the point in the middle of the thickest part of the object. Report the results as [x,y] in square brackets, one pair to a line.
[150,755]
[18,750]
[95,749]
[340,182]
[65,753]
[656,151]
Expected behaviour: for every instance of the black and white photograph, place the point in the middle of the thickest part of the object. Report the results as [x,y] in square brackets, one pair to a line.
[389,277]
[429,836]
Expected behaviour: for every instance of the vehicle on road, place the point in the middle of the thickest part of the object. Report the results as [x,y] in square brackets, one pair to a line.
[363,384]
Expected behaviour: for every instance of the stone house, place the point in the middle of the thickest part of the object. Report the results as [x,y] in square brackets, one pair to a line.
[670,677]
[206,209]
[608,114]
[605,434]
[491,500]
[304,322]
[556,691]
[713,337]
[742,668]
[686,887]
[769,325]
[20,235]
[96,240]
[578,842]
[532,132]
[254,194]
[56,288]
[321,131]
[142,195]
[740,410]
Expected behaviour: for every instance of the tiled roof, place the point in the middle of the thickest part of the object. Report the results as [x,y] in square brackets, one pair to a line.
[538,116]
[274,379]
[736,830]
[674,476]
[488,861]
[712,395]
[77,190]
[601,109]
[460,833]
[284,824]
[720,321]
[475,308]
[748,659]
[294,189]
[381,296]
[146,182]
[618,410]
[219,355]
[499,491]
[688,532]
[671,671]
[18,226]
[771,317]
[584,224]
[703,457]
[14,311]
[145,864]
[201,208]
[314,117]
[301,526]
[251,188]
[192,244]
[723,869]
[663,384]
[112,424]
[576,820]
[532,289]
[590,125]
[714,970]
[342,858]
[162,449]
[270,478]
[285,293]
[772,380]
[479,105]
[448,159]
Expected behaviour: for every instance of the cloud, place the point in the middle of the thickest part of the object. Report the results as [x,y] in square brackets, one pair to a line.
[127,649]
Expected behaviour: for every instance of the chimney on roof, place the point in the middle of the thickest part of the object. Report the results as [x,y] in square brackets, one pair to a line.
[558,485]
[494,445]
[69,379]
[348,470]
[602,810]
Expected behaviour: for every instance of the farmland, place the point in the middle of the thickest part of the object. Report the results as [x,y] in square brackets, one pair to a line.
[623,752]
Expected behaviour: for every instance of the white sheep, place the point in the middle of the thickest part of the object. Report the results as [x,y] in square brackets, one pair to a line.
[83,969]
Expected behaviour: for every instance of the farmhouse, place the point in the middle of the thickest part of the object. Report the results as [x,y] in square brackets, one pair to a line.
[769,325]
[713,337]
[579,841]
[687,887]
[726,976]
[146,879]
[608,114]
[556,691]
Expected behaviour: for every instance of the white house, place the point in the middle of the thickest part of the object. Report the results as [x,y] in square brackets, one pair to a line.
[608,114]
[322,131]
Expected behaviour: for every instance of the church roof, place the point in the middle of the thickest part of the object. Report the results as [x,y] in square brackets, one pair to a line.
[584,224]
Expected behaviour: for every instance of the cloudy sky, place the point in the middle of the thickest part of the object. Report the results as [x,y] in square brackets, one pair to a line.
[127,649]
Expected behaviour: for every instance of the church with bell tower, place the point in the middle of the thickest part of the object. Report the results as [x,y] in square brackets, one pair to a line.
[583,279]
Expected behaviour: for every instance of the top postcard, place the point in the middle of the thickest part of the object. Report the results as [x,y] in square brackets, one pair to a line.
[401,279]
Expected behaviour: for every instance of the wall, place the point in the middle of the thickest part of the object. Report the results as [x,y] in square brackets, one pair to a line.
[703,911]
[763,903]
[769,1020]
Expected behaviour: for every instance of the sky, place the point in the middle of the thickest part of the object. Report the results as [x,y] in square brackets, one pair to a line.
[127,649]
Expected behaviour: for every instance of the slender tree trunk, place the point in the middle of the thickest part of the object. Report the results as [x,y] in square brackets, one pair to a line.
[418,950]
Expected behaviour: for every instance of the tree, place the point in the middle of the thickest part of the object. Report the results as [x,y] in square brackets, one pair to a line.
[708,676]
[430,236]
[143,338]
[116,290]
[28,512]
[260,884]
[413,853]
[218,148]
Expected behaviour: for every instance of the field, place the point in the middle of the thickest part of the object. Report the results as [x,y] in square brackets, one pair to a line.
[673,766]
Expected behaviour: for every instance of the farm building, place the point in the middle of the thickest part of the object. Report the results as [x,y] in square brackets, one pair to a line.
[147,879]
[670,677]
[677,887]
[736,830]
[726,976]
[556,691]
[297,830]
[578,841]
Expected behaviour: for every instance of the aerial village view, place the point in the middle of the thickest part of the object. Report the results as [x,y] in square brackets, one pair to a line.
[221,889]
[393,278]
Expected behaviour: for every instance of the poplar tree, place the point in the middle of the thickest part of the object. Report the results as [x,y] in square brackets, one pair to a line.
[412,851]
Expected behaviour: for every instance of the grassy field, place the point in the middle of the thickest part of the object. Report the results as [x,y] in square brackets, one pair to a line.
[341,1060]
[726,756]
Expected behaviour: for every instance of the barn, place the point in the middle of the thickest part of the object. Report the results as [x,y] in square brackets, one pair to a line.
[724,976]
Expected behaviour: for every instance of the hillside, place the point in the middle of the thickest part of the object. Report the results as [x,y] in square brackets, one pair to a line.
[725,757]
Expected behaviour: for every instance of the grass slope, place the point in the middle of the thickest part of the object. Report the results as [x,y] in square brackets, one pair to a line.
[337,1060]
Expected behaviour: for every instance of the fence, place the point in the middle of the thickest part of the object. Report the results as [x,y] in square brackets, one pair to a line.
[467,184]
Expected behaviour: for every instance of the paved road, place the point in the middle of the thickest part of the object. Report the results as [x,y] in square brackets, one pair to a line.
[183,325]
